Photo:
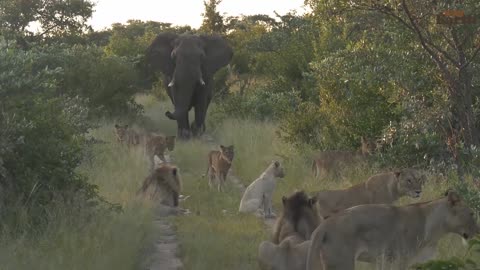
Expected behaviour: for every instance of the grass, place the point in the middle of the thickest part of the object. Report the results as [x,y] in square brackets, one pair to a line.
[214,236]
[107,240]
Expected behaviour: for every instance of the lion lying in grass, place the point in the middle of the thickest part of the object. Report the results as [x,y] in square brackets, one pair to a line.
[400,236]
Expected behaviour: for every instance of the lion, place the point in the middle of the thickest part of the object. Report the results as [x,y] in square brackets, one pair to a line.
[289,246]
[380,188]
[327,162]
[395,235]
[219,163]
[126,135]
[156,145]
[167,183]
[259,193]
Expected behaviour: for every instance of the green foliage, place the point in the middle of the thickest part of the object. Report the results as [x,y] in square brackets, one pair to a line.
[133,38]
[261,105]
[43,140]
[455,263]
[56,18]
[212,20]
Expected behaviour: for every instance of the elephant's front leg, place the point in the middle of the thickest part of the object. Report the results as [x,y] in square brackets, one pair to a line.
[201,106]
[183,128]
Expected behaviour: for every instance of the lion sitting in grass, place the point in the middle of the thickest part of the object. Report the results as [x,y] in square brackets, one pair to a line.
[260,192]
[289,246]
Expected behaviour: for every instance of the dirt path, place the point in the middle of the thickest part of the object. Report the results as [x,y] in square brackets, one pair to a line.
[164,255]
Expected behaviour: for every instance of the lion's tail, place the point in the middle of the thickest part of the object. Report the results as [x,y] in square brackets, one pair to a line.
[314,255]
[314,169]
[209,163]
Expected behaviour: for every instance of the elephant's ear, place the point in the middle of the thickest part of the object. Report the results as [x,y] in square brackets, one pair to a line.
[217,51]
[158,54]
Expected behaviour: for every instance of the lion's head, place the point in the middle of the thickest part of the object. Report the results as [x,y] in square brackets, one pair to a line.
[227,151]
[409,182]
[121,131]
[460,218]
[277,169]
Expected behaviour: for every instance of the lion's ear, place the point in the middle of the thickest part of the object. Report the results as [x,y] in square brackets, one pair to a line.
[397,173]
[117,126]
[222,147]
[284,200]
[453,197]
[277,164]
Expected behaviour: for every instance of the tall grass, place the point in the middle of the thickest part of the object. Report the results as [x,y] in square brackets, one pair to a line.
[106,240]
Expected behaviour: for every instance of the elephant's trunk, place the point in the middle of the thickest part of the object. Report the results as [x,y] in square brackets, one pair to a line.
[171,116]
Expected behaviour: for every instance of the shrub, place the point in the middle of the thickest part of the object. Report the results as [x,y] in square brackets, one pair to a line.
[42,140]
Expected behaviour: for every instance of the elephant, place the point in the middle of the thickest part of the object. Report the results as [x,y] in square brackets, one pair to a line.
[188,63]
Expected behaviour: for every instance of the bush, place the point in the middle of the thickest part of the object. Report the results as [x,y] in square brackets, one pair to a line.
[42,140]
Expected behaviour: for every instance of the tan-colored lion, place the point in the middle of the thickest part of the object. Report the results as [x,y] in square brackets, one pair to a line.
[166,182]
[157,145]
[327,162]
[127,135]
[380,188]
[289,246]
[260,192]
[398,236]
[219,163]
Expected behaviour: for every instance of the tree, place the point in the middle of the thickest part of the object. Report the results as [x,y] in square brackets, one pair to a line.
[450,51]
[212,20]
[55,18]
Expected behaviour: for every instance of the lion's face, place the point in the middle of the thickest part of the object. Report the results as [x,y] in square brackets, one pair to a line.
[278,170]
[121,131]
[170,142]
[227,152]
[460,218]
[410,182]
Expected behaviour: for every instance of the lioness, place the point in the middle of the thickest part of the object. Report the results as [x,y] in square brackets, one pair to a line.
[156,145]
[167,181]
[327,162]
[126,135]
[219,162]
[403,235]
[379,188]
[288,251]
[259,192]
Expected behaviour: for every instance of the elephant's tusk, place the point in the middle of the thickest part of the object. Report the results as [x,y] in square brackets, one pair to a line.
[202,82]
[172,83]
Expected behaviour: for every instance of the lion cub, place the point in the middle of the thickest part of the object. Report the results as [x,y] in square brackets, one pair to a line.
[379,188]
[126,135]
[260,191]
[156,145]
[219,162]
[167,183]
[293,229]
[327,162]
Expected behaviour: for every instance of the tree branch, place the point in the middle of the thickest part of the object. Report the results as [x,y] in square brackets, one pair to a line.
[424,44]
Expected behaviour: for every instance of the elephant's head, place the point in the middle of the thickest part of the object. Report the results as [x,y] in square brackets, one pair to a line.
[188,63]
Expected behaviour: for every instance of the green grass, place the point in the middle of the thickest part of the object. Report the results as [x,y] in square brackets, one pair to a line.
[106,241]
[214,236]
